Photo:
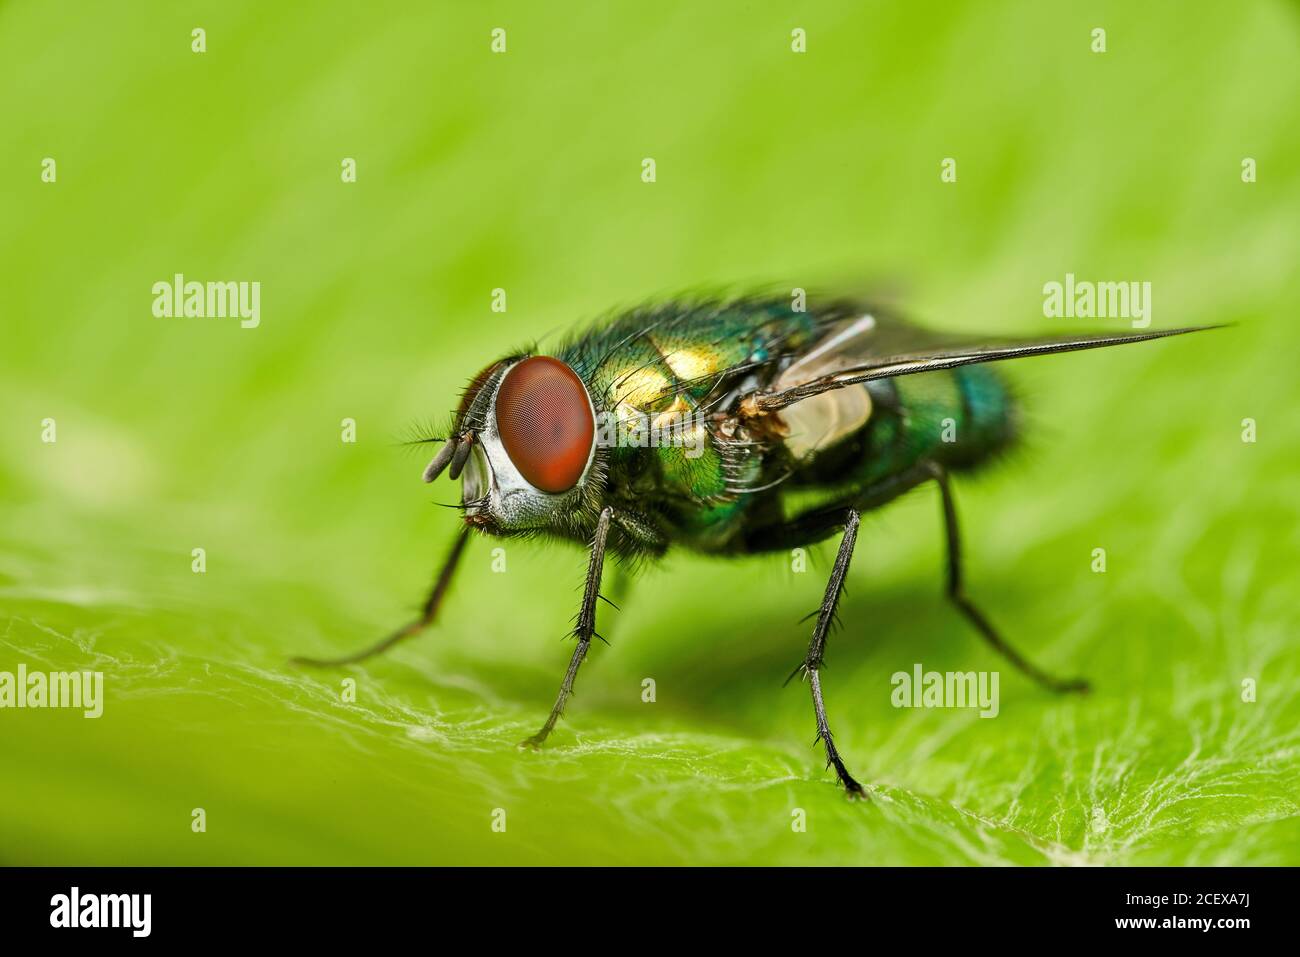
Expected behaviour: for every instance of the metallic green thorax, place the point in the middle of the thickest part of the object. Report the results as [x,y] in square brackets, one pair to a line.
[669,361]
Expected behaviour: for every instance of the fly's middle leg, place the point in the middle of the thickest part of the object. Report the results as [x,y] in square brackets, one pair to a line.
[957,595]
[811,667]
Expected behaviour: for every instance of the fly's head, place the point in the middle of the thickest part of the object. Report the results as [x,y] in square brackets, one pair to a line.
[523,444]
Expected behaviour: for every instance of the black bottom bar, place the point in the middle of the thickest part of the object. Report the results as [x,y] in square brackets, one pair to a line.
[335,906]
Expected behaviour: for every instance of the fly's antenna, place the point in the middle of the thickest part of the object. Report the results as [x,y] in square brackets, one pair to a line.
[455,453]
[424,441]
[441,460]
[460,455]
[423,432]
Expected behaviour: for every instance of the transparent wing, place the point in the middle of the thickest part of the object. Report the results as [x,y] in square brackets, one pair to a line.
[870,347]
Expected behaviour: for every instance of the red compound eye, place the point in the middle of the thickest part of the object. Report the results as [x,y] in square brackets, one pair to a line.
[545,423]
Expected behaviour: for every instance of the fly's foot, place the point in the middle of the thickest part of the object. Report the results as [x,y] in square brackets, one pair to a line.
[1069,685]
[852,789]
[533,742]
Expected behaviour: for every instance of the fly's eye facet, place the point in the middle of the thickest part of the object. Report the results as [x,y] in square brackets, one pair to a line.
[545,422]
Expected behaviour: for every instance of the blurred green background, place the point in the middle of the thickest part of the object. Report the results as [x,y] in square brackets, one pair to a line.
[522,171]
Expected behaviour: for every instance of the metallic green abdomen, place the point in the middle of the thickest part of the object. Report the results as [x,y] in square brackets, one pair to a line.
[959,418]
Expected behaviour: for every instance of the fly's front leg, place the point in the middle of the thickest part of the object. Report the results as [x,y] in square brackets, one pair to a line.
[811,666]
[957,595]
[427,614]
[584,628]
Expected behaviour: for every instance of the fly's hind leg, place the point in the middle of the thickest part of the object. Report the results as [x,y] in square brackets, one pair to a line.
[584,628]
[814,526]
[957,595]
[811,667]
[427,614]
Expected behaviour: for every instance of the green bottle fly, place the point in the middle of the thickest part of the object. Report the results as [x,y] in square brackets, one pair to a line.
[730,427]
